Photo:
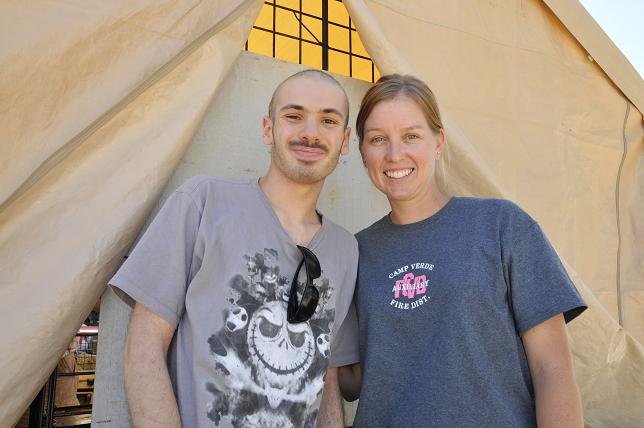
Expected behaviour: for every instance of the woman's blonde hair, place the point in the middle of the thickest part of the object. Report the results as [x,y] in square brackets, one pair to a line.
[391,85]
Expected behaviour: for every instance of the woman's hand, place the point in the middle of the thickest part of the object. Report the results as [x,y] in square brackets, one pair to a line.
[350,381]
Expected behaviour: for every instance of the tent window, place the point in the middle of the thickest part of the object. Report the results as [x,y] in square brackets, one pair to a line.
[316,33]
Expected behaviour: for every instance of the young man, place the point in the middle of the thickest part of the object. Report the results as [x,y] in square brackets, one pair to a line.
[223,334]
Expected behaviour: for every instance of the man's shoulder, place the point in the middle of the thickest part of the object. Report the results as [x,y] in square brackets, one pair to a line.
[340,234]
[206,183]
[203,188]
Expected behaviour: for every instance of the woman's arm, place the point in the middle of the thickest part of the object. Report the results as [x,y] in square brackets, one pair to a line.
[557,398]
[350,381]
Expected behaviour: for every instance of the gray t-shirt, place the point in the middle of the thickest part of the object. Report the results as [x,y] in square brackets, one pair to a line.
[441,305]
[216,263]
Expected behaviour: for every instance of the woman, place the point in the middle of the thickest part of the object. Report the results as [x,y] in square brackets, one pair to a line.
[461,302]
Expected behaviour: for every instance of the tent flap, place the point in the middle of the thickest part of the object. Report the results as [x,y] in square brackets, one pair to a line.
[65,234]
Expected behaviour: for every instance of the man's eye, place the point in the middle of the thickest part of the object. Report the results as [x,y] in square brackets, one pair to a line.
[330,121]
[292,116]
[412,137]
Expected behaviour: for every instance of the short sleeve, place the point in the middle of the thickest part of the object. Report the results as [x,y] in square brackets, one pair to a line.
[157,271]
[345,348]
[539,286]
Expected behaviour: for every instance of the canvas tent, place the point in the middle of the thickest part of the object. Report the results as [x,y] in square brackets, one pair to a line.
[99,102]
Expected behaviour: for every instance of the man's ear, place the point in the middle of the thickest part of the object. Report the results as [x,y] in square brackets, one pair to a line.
[344,150]
[267,130]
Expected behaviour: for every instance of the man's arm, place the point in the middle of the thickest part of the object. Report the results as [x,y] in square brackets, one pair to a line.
[147,381]
[350,381]
[557,398]
[331,414]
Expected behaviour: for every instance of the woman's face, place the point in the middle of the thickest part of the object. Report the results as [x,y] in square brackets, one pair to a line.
[400,150]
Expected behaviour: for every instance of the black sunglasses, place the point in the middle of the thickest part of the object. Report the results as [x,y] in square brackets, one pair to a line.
[304,309]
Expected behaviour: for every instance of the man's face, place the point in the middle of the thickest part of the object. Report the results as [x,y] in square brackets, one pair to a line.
[307,133]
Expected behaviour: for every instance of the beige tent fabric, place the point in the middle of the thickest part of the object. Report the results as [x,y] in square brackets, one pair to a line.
[65,65]
[530,117]
[99,101]
[600,48]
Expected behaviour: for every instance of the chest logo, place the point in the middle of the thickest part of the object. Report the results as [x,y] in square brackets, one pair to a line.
[410,285]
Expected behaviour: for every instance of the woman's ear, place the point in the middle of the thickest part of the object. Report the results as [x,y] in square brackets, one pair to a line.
[440,143]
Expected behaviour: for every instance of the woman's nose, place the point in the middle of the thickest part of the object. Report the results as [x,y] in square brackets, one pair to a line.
[394,151]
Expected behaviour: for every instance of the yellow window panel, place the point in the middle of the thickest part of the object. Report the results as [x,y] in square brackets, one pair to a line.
[287,49]
[286,22]
[338,63]
[361,68]
[260,42]
[312,55]
[313,7]
[265,18]
[293,4]
[315,26]
[356,45]
[338,13]
[338,37]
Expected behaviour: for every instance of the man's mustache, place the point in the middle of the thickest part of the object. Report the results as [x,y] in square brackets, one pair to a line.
[313,145]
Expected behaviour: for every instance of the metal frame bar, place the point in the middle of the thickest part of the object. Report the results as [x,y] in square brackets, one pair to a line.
[36,409]
[350,50]
[274,28]
[325,35]
[51,396]
[299,19]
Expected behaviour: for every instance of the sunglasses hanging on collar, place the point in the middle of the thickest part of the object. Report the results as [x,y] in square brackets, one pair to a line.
[304,309]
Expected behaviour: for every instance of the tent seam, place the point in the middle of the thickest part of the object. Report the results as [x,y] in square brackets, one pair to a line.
[620,297]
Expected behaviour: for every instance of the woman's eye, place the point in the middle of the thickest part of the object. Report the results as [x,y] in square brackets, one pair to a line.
[377,140]
[412,137]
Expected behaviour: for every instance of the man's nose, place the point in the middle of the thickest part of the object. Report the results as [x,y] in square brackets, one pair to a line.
[311,130]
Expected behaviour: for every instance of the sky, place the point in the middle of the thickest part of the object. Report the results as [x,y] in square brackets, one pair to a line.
[623,21]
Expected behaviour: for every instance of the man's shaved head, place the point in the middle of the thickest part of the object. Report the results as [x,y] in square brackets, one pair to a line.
[309,74]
